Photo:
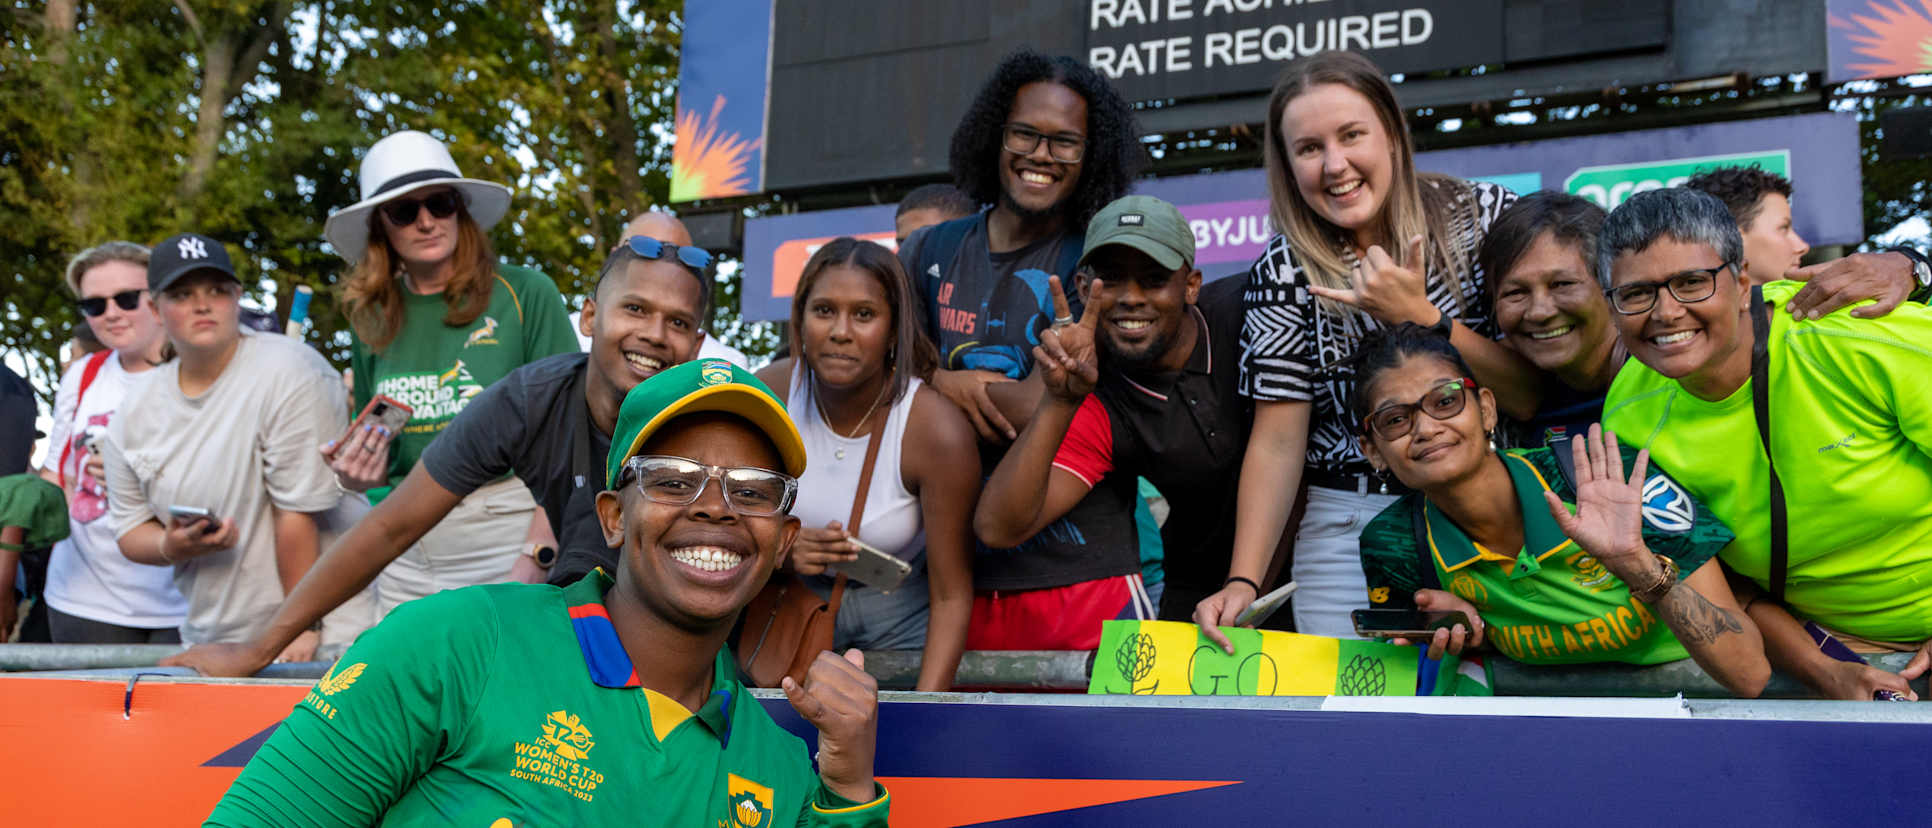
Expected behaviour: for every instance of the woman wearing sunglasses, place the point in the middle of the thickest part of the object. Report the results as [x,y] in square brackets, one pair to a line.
[436,318]
[1553,559]
[858,370]
[94,594]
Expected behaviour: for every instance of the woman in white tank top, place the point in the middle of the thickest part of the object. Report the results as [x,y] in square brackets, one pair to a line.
[856,368]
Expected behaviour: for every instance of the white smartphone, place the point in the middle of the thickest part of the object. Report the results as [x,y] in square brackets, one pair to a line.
[190,514]
[1265,606]
[874,568]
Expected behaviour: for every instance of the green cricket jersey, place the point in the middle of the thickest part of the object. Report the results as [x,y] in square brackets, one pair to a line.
[437,369]
[1851,426]
[514,705]
[1551,602]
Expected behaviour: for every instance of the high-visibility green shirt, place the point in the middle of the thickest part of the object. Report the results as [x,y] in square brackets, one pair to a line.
[513,705]
[1550,602]
[1851,427]
[436,368]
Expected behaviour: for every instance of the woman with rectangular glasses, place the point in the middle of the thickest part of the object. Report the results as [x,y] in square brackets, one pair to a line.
[1550,562]
[436,319]
[94,594]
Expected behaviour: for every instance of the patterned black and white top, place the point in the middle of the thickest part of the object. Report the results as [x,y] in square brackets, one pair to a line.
[1292,347]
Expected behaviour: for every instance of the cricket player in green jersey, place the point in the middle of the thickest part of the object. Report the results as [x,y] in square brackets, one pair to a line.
[1849,428]
[1551,564]
[613,701]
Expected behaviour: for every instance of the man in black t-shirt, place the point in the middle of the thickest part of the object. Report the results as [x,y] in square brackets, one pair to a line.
[547,422]
[1132,390]
[1046,142]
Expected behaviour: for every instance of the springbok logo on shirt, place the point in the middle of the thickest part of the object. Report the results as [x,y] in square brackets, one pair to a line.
[1666,506]
[485,333]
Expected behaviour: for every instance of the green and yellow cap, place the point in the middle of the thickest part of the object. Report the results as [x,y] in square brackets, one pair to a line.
[694,387]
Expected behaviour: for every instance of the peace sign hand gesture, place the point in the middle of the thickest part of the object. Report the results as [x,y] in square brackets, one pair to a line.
[1608,522]
[1068,361]
[1388,292]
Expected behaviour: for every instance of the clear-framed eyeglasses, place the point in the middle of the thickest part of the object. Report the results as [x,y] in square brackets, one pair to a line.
[678,481]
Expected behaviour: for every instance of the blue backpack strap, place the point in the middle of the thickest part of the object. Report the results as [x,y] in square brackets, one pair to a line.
[938,249]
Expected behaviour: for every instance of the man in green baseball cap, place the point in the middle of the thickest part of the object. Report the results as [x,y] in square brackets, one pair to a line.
[643,721]
[1143,384]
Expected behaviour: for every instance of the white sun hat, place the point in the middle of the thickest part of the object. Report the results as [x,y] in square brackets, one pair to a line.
[401,164]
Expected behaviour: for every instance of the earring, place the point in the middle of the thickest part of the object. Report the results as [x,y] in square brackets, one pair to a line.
[1491,436]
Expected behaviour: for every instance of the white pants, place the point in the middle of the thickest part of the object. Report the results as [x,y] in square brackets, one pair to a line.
[1328,560]
[475,544]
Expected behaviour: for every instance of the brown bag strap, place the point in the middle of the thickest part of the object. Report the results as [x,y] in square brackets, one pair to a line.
[858,508]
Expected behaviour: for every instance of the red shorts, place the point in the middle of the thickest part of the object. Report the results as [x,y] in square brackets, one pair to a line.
[1056,618]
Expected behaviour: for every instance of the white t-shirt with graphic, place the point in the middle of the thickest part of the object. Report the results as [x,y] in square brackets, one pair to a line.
[88,577]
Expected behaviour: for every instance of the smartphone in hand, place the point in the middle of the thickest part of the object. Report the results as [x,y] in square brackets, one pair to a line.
[1415,625]
[382,411]
[190,514]
[874,568]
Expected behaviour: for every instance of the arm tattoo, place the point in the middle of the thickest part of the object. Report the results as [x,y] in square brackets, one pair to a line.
[1694,618]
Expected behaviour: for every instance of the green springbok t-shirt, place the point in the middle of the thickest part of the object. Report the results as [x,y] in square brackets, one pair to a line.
[436,369]
[1550,602]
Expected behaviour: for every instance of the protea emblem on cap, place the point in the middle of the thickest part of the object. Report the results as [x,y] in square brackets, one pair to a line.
[716,372]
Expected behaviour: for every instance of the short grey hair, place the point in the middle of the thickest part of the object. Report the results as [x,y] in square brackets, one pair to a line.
[1685,215]
[100,254]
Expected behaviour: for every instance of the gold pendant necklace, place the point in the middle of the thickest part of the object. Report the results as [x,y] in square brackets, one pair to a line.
[838,453]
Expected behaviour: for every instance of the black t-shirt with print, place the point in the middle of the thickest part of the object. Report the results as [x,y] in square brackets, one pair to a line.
[985,311]
[527,424]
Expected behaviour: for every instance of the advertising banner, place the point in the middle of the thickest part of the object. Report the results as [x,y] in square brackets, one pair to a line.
[1228,211]
[1167,49]
[99,752]
[1877,38]
[721,100]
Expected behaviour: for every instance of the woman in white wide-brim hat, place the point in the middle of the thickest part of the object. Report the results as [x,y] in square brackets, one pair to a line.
[436,319]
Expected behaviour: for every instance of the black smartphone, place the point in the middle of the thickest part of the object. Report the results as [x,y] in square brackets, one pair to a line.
[1415,625]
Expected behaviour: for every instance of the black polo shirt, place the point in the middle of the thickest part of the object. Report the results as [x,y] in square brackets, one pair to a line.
[1183,431]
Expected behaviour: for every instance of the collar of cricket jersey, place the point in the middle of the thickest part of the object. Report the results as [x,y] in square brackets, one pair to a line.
[611,667]
[1454,550]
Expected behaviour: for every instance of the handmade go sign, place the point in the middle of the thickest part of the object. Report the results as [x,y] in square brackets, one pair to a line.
[1172,658]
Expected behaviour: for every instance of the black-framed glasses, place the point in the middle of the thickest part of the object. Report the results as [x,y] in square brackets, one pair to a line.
[1687,287]
[403,211]
[127,300]
[679,481]
[1396,420]
[1022,140]
[696,258]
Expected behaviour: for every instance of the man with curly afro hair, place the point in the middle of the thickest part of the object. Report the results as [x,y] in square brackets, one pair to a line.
[1046,143]
[1760,201]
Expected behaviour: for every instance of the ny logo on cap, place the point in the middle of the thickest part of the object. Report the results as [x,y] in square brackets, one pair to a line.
[192,248]
[1135,219]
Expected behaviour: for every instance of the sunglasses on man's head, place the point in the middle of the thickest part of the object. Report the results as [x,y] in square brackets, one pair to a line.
[696,258]
[128,300]
[403,210]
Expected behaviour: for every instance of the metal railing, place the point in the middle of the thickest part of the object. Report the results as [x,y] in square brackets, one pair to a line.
[1016,671]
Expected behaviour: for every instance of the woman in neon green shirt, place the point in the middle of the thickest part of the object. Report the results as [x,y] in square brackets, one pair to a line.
[1542,584]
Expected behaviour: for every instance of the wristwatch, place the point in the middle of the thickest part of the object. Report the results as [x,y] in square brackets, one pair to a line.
[1666,580]
[1444,325]
[545,556]
[1921,270]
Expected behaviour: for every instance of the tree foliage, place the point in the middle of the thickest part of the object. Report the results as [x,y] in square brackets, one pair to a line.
[246,121]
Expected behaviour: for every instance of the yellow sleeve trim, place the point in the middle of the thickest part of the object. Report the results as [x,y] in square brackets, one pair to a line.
[885,796]
[514,299]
